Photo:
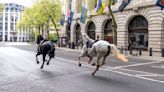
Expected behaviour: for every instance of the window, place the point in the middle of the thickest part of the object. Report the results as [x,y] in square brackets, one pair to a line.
[6,27]
[6,9]
[1,18]
[12,27]
[138,22]
[1,26]
[91,30]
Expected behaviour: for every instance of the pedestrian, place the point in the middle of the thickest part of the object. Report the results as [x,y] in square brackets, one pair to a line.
[130,45]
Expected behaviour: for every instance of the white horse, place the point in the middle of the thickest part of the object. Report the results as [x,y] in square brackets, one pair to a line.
[99,49]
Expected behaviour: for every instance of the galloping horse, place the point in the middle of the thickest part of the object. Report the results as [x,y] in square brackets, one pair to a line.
[45,47]
[99,49]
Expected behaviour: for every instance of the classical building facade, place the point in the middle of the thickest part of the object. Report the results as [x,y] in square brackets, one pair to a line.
[8,20]
[141,24]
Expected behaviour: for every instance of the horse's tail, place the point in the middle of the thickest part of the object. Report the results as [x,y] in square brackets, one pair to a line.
[117,54]
[108,50]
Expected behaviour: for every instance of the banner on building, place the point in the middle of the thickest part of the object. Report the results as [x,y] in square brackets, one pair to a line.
[160,3]
[83,15]
[100,7]
[62,20]
[123,5]
[70,18]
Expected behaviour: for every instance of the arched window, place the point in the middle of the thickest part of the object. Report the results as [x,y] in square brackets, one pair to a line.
[108,27]
[77,32]
[138,22]
[91,30]
[138,32]
[68,31]
[108,36]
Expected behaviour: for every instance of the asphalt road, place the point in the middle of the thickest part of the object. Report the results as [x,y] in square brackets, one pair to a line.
[20,73]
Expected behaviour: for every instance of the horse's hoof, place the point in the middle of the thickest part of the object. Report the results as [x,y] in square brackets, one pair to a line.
[79,65]
[37,62]
[93,64]
[48,63]
[41,67]
[93,74]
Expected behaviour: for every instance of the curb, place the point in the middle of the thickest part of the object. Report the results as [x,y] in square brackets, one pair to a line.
[154,58]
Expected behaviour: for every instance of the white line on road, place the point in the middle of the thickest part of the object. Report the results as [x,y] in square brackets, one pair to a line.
[114,70]
[138,64]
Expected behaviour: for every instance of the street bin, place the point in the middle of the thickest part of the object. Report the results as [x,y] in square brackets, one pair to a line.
[150,54]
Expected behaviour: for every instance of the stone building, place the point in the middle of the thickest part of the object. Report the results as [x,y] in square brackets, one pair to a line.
[140,24]
[8,20]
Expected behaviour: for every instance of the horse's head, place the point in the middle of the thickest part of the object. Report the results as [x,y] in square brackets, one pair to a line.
[39,39]
[88,41]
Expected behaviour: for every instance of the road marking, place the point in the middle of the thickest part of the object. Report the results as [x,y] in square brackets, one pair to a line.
[137,76]
[110,69]
[147,75]
[138,71]
[159,67]
[106,68]
[138,64]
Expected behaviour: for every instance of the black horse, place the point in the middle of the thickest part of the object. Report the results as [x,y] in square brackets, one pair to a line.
[45,47]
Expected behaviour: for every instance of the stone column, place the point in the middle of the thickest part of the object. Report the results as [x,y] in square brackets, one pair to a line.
[3,35]
[9,22]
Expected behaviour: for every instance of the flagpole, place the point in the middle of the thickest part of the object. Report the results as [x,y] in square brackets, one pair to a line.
[114,25]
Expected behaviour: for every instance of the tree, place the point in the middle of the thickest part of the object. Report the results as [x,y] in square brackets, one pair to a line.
[53,12]
[42,16]
[114,25]
[1,7]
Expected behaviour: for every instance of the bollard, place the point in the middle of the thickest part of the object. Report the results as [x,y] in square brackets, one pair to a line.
[73,45]
[150,54]
[122,49]
[77,46]
[69,45]
[162,52]
[140,51]
[130,51]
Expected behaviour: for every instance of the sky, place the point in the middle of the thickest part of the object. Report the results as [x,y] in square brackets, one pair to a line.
[26,3]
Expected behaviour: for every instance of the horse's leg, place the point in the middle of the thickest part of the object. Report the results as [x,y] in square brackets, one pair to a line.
[49,61]
[98,65]
[37,61]
[79,61]
[103,61]
[44,56]
[84,53]
[90,59]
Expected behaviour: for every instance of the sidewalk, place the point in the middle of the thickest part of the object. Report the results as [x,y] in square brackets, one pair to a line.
[143,56]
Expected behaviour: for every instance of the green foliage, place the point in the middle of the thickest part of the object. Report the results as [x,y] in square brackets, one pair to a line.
[53,36]
[79,6]
[1,7]
[39,14]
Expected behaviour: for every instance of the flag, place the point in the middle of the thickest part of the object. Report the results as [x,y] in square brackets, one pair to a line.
[62,20]
[100,7]
[160,3]
[83,14]
[70,18]
[124,4]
